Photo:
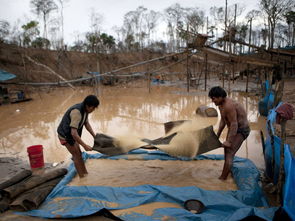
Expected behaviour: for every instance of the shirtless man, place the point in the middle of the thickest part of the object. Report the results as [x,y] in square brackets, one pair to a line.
[234,116]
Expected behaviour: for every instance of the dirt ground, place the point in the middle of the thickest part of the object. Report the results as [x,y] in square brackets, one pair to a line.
[128,108]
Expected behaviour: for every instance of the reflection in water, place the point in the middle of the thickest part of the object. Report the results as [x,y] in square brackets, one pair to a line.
[122,111]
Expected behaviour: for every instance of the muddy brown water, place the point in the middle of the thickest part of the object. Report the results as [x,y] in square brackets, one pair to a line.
[123,111]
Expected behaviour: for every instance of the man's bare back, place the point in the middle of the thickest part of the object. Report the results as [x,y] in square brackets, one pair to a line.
[234,116]
[230,105]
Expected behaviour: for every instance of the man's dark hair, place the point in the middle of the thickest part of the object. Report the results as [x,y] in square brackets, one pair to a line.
[91,101]
[217,92]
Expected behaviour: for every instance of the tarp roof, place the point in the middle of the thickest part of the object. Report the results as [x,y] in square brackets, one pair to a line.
[4,75]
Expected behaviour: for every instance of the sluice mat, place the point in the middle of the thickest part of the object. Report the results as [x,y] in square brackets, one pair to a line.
[31,182]
[189,143]
[32,198]
[15,179]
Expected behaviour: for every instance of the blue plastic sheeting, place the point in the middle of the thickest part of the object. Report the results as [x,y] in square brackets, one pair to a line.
[77,201]
[272,158]
[289,190]
[4,75]
[266,103]
[96,74]
[289,165]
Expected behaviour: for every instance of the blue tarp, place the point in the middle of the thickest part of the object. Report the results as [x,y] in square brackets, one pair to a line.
[79,201]
[289,190]
[4,75]
[289,165]
[267,102]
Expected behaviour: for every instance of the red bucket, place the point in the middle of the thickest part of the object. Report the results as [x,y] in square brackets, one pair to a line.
[36,156]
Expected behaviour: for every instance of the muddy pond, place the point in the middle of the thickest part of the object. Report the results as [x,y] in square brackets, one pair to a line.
[122,111]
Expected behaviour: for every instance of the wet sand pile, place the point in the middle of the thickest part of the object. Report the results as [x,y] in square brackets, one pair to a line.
[187,139]
[175,173]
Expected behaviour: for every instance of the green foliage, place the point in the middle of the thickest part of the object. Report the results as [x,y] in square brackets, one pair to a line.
[97,42]
[41,43]
[30,32]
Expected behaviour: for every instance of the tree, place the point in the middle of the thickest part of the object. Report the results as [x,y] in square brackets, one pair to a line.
[281,35]
[242,33]
[43,8]
[93,41]
[108,41]
[174,16]
[133,24]
[290,19]
[78,46]
[4,30]
[151,19]
[62,2]
[30,32]
[96,20]
[195,18]
[129,41]
[274,10]
[41,43]
[251,16]
[264,35]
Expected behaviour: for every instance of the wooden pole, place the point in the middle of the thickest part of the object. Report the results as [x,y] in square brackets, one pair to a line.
[149,81]
[187,68]
[247,82]
[223,72]
[98,66]
[272,148]
[282,158]
[206,70]
[233,70]
[228,82]
[235,24]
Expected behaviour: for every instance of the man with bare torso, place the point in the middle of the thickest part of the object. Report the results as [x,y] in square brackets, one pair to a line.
[234,116]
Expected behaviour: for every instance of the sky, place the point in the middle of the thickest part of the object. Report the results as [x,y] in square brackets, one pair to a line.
[77,12]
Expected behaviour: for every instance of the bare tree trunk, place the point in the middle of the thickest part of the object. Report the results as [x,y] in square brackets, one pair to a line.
[250,35]
[225,24]
[45,26]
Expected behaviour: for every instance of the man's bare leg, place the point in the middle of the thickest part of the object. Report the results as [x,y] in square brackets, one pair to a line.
[77,159]
[229,154]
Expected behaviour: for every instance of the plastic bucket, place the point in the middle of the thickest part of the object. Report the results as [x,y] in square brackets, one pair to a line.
[36,156]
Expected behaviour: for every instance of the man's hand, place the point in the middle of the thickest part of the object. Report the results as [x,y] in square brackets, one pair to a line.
[226,144]
[87,148]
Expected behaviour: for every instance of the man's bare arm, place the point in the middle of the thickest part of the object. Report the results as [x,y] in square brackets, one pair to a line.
[89,128]
[77,138]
